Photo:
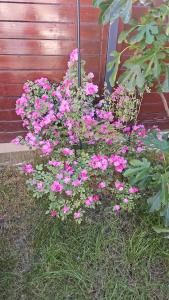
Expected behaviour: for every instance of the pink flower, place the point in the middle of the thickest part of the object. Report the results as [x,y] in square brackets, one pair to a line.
[140,149]
[102,185]
[16,141]
[67,180]
[90,75]
[45,97]
[53,213]
[66,209]
[125,200]
[124,149]
[91,89]
[119,185]
[56,187]
[64,107]
[99,162]
[89,201]
[84,175]
[40,186]
[27,168]
[47,147]
[74,55]
[77,215]
[133,190]
[76,183]
[96,198]
[54,163]
[67,151]
[69,193]
[119,162]
[116,208]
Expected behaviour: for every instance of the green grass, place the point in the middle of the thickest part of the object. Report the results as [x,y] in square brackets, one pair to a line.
[104,258]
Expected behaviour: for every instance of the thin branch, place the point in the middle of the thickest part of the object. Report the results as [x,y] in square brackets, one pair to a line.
[165,103]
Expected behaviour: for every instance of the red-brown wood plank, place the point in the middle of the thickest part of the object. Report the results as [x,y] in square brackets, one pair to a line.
[6,137]
[15,76]
[10,126]
[7,103]
[8,115]
[73,2]
[46,13]
[18,62]
[27,30]
[46,47]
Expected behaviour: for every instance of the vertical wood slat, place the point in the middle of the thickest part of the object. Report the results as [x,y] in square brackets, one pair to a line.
[35,40]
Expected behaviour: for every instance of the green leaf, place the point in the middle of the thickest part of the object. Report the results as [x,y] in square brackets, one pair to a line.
[152,141]
[160,229]
[111,10]
[114,66]
[138,172]
[155,202]
[133,78]
[96,3]
[165,214]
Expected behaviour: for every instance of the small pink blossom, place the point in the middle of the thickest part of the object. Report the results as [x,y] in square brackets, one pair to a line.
[67,180]
[119,185]
[84,175]
[133,190]
[140,149]
[91,89]
[47,147]
[74,55]
[89,201]
[54,163]
[90,75]
[99,162]
[96,198]
[27,168]
[77,215]
[40,186]
[16,141]
[76,182]
[116,208]
[119,162]
[67,151]
[125,200]
[124,149]
[56,187]
[53,213]
[69,193]
[102,185]
[66,209]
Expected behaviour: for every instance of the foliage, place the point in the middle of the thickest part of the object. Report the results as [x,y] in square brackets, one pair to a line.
[96,260]
[83,145]
[123,103]
[153,177]
[146,43]
[113,9]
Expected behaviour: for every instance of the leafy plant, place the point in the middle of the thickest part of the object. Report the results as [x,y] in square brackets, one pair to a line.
[153,177]
[113,9]
[146,44]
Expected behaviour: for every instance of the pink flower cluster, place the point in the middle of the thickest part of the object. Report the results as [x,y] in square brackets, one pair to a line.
[119,162]
[99,162]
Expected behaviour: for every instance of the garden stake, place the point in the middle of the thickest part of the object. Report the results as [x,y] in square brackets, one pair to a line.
[78,43]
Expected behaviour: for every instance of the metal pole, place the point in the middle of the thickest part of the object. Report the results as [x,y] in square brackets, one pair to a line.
[78,43]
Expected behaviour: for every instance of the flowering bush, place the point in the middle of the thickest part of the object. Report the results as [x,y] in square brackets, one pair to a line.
[85,146]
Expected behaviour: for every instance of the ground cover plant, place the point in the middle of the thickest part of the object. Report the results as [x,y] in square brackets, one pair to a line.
[104,258]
